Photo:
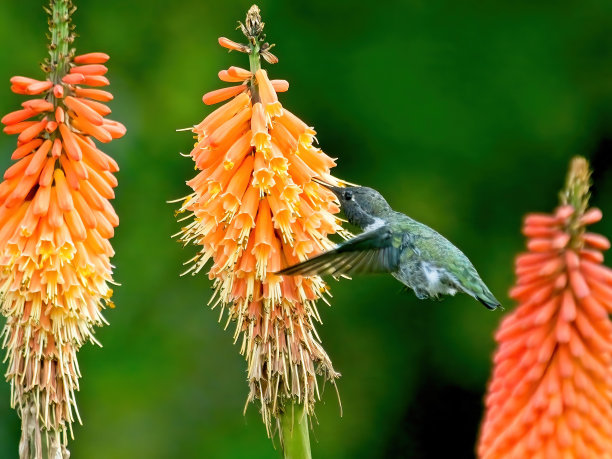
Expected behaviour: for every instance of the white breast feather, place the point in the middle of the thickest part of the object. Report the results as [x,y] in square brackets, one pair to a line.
[433,276]
[377,223]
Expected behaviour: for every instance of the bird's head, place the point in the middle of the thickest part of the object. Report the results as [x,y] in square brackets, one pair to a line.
[360,204]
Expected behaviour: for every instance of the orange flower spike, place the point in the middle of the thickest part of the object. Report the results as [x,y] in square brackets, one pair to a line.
[554,350]
[245,202]
[63,256]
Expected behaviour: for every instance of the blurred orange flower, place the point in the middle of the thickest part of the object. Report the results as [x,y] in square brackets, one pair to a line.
[56,220]
[551,391]
[255,209]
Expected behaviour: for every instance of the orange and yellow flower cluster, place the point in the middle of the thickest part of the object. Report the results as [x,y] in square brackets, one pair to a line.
[55,224]
[255,210]
[551,391]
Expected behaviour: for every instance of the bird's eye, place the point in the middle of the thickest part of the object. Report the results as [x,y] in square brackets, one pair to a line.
[348,195]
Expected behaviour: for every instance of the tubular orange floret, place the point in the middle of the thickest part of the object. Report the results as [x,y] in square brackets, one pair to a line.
[38,105]
[222,114]
[90,69]
[225,76]
[70,145]
[261,138]
[96,80]
[219,95]
[268,94]
[554,349]
[232,45]
[84,110]
[96,94]
[58,91]
[74,78]
[91,58]
[238,72]
[54,207]
[97,106]
[38,87]
[26,148]
[249,205]
[17,116]
[280,85]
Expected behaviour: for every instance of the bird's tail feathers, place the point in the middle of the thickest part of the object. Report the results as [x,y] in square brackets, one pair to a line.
[487,299]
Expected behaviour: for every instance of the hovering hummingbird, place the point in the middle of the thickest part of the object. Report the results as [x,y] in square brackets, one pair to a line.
[392,242]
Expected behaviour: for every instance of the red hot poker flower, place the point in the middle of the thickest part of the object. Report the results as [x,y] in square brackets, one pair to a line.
[56,220]
[256,209]
[551,391]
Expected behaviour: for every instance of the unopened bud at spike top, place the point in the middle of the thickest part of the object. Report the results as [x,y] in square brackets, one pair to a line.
[55,222]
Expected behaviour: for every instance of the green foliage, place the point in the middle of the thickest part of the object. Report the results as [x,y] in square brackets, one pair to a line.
[463,114]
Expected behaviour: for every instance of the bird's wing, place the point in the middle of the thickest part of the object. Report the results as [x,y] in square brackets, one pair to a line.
[371,252]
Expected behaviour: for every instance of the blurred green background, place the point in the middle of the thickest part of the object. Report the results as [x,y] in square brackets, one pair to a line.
[463,113]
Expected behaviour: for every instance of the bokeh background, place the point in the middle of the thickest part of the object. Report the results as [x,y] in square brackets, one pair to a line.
[463,113]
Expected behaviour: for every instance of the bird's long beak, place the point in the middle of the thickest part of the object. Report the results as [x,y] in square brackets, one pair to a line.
[334,189]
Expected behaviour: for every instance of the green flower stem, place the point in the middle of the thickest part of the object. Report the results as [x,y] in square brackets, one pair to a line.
[61,39]
[254,66]
[294,432]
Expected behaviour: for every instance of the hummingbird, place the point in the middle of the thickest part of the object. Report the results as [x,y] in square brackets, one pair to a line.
[392,242]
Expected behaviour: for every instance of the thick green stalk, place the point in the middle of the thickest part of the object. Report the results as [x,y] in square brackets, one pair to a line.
[294,432]
[61,38]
